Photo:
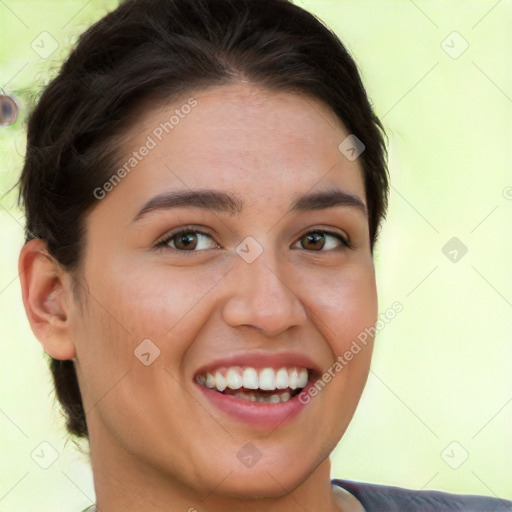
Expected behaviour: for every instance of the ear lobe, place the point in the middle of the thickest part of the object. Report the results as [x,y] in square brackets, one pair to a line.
[45,288]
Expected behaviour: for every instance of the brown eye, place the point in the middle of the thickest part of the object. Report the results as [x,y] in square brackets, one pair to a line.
[188,240]
[185,241]
[322,241]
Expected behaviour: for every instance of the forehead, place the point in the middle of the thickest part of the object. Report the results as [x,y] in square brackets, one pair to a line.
[263,144]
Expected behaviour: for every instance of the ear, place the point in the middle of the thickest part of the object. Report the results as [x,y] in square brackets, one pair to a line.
[47,297]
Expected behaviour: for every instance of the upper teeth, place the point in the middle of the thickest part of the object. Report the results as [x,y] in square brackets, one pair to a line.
[267,379]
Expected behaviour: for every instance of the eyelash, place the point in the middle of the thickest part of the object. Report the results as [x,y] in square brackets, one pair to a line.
[162,244]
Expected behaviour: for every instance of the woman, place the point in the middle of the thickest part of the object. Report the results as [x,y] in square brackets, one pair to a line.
[204,185]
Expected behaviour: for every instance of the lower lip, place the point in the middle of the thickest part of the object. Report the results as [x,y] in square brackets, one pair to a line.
[263,415]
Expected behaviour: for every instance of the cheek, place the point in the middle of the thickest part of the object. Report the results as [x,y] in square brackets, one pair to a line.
[341,306]
[121,315]
[136,316]
[103,351]
[150,300]
[345,307]
[344,303]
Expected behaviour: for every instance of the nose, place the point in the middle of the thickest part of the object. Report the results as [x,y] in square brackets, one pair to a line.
[262,297]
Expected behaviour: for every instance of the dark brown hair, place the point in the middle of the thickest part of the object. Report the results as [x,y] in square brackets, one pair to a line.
[160,49]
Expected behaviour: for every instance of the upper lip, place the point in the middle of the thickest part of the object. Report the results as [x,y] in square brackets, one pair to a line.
[260,360]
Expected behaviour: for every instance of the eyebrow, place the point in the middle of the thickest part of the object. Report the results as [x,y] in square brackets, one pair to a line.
[229,203]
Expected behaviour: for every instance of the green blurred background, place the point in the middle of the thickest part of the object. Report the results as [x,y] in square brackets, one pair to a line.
[437,410]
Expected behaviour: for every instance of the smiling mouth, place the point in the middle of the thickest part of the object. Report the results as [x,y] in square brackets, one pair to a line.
[257,384]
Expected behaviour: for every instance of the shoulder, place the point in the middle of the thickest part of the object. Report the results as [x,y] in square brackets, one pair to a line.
[382,498]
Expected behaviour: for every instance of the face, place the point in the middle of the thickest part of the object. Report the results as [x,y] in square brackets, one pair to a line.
[261,282]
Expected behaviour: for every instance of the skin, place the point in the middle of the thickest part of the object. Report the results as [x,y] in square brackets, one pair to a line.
[156,442]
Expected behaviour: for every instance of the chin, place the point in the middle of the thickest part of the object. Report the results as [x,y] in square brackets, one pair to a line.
[261,485]
[272,480]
